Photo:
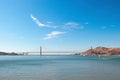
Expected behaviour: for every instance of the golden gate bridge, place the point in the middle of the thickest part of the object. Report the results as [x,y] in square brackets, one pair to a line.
[41,52]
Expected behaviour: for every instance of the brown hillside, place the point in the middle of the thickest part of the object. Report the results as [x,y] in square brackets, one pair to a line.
[102,51]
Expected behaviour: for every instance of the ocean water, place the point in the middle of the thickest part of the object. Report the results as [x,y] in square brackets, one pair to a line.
[59,68]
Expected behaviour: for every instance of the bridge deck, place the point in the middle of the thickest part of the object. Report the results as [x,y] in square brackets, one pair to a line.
[49,52]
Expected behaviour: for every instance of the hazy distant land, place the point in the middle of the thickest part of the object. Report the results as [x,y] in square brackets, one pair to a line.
[5,53]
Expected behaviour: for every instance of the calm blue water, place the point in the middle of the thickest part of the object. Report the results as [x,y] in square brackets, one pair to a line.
[59,68]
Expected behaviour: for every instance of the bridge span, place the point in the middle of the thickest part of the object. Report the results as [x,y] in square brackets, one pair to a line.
[41,52]
[26,53]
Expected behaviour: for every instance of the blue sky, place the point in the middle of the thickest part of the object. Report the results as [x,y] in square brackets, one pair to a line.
[59,24]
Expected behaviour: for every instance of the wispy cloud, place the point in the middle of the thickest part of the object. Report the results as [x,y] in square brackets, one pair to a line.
[71,25]
[37,21]
[103,27]
[112,26]
[108,27]
[49,24]
[68,26]
[40,24]
[53,34]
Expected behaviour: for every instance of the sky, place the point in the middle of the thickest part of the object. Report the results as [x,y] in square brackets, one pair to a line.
[73,25]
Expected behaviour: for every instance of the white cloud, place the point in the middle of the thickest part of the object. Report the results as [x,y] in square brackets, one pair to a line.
[40,24]
[53,34]
[49,22]
[37,21]
[73,25]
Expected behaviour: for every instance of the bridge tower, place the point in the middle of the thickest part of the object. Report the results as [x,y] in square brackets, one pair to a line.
[91,50]
[40,50]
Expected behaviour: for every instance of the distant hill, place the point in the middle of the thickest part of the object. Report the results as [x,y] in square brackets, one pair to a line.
[4,53]
[103,51]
